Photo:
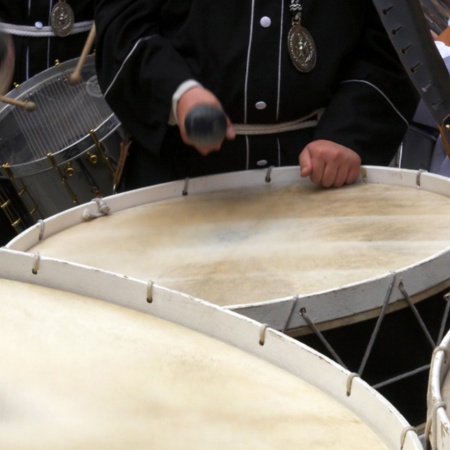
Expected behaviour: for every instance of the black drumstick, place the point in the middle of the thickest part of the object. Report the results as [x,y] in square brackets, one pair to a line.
[206,124]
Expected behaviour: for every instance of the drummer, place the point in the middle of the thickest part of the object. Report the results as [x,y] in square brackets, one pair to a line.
[345,102]
[43,31]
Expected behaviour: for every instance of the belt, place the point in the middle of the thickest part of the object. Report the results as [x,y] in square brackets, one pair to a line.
[309,121]
[44,31]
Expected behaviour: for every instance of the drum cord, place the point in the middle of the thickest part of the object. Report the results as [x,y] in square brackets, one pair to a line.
[375,332]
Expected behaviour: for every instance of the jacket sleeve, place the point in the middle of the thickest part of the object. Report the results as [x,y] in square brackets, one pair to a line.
[138,70]
[375,101]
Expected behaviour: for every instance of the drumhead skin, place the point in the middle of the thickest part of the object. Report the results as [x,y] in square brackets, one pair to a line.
[81,371]
[268,249]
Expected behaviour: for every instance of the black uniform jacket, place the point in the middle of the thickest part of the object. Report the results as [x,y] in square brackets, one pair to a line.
[238,50]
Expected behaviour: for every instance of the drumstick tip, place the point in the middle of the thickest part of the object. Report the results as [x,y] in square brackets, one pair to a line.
[29,106]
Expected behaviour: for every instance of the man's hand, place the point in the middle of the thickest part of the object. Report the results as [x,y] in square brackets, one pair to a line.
[329,164]
[189,100]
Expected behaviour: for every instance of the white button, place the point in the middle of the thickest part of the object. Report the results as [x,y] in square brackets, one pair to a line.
[265,22]
[38,24]
[260,105]
[261,162]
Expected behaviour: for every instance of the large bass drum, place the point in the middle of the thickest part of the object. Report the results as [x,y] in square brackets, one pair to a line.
[115,363]
[65,151]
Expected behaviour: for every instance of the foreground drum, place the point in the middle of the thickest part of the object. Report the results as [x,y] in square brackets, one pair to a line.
[92,359]
[269,245]
[438,422]
[64,152]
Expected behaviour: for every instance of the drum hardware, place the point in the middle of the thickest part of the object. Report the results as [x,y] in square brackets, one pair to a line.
[63,179]
[12,215]
[23,192]
[92,158]
[69,170]
[102,152]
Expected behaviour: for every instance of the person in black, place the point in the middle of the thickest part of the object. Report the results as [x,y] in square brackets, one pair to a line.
[157,60]
[36,48]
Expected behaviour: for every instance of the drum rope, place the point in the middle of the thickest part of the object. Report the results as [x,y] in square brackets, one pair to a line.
[322,338]
[445,317]
[36,263]
[440,349]
[103,210]
[377,325]
[401,377]
[350,379]
[262,333]
[405,431]
[291,313]
[41,225]
[150,292]
[416,314]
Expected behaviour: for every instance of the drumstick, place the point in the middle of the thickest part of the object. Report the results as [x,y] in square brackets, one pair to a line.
[75,77]
[28,106]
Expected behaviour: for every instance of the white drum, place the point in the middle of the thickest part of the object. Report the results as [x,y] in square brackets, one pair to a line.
[269,249]
[438,398]
[92,359]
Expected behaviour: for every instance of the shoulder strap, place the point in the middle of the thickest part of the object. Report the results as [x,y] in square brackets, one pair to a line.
[405,23]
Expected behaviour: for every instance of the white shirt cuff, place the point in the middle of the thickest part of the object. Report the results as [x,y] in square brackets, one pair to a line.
[182,89]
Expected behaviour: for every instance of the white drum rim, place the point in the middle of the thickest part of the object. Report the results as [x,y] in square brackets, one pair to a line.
[438,421]
[421,279]
[247,334]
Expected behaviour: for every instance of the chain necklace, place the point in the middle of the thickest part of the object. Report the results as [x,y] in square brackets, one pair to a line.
[301,47]
[62,18]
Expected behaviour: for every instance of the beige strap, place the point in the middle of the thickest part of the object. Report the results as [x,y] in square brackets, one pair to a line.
[309,121]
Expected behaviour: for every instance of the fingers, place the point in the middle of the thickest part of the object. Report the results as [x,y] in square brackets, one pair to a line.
[329,164]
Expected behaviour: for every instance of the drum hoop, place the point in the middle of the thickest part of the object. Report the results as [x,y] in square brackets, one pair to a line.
[108,126]
[284,312]
[234,329]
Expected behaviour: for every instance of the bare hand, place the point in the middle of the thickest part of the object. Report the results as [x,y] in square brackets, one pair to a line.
[195,97]
[329,164]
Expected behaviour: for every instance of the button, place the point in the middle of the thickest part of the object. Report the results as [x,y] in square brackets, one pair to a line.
[260,105]
[265,22]
[38,25]
[261,163]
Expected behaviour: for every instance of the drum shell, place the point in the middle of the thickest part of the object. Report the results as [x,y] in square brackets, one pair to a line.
[70,122]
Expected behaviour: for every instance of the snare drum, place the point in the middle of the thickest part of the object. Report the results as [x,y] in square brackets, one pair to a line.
[113,362]
[438,398]
[65,152]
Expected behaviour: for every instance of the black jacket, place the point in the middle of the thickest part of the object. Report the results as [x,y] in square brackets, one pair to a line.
[146,48]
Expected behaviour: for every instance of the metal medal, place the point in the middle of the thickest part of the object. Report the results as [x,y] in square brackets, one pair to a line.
[302,49]
[62,19]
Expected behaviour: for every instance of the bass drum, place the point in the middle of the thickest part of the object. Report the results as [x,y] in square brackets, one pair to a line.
[114,363]
[283,251]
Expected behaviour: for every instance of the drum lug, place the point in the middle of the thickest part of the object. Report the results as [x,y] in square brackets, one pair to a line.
[92,158]
[69,170]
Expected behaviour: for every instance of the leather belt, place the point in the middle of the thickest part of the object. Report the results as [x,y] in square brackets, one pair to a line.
[405,23]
